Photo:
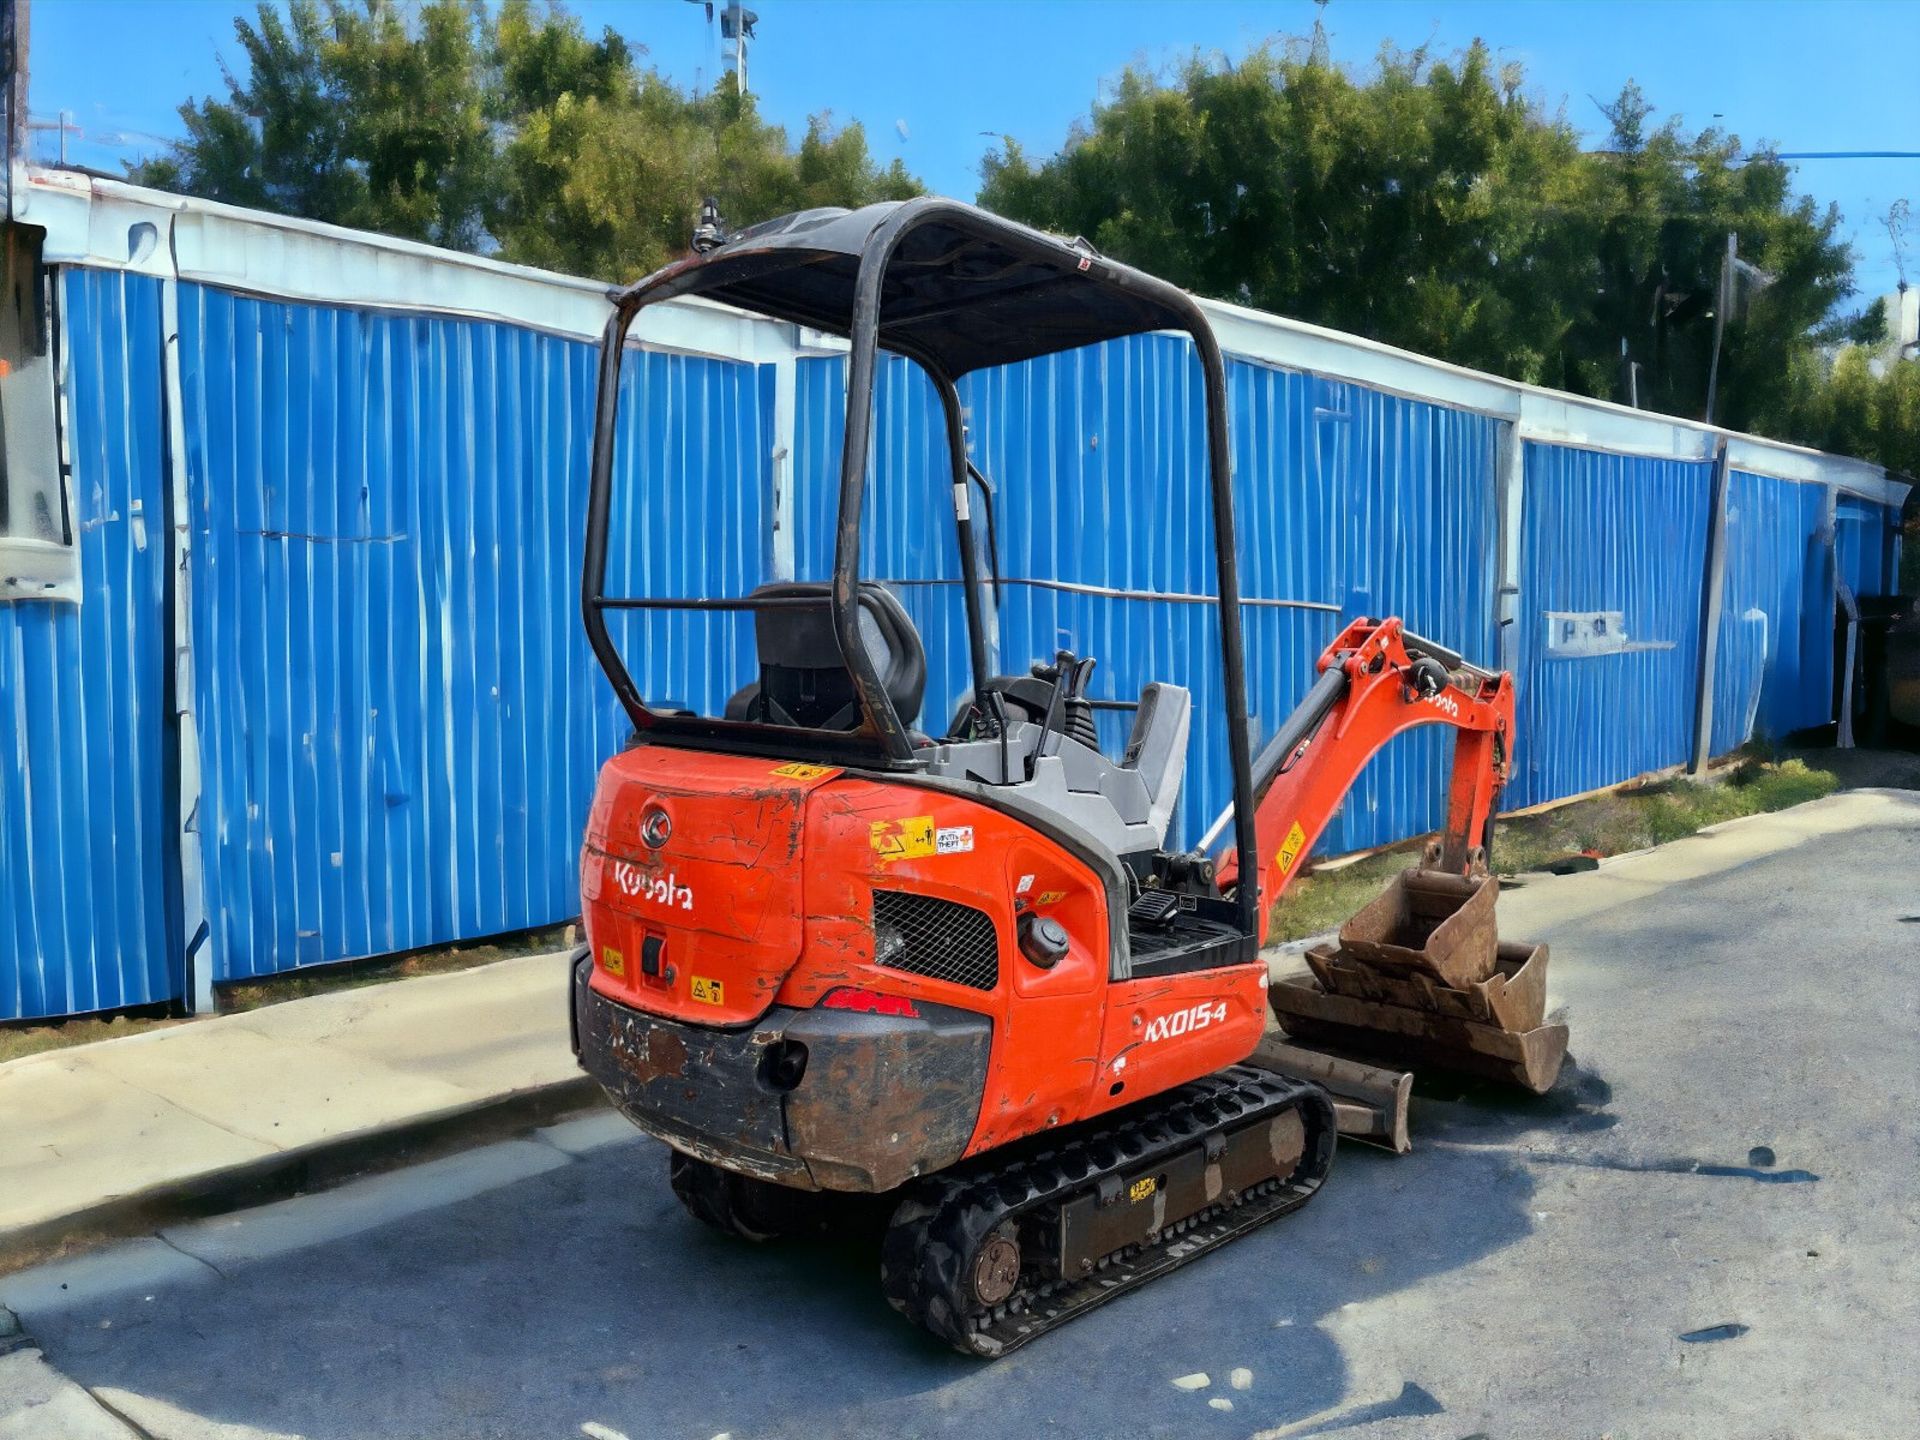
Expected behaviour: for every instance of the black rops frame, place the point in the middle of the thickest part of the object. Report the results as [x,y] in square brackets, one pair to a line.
[883,743]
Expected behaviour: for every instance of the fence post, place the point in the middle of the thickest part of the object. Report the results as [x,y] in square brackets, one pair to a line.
[1510,477]
[1711,586]
[187,902]
[786,365]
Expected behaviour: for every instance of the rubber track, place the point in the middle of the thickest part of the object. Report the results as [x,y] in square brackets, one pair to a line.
[926,1256]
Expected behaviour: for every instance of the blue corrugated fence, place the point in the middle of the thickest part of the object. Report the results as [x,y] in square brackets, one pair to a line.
[1608,533]
[1349,502]
[85,800]
[399,721]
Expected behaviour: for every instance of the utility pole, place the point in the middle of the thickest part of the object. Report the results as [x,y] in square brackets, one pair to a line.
[1629,376]
[13,57]
[62,124]
[736,25]
[1721,306]
[736,29]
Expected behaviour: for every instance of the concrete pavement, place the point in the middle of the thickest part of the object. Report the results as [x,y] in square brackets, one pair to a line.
[90,1132]
[37,1402]
[1709,1228]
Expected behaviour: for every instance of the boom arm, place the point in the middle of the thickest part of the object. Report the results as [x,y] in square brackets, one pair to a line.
[1375,681]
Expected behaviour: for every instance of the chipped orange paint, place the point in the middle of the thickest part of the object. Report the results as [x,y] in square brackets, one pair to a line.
[720,897]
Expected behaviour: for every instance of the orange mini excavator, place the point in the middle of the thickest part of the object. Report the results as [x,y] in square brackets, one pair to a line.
[831,950]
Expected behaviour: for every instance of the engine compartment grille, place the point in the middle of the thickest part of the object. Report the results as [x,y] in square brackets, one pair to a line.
[940,939]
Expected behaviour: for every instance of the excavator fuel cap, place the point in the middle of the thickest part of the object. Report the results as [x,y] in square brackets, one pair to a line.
[1043,940]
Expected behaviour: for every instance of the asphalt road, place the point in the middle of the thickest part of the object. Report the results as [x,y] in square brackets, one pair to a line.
[1731,1157]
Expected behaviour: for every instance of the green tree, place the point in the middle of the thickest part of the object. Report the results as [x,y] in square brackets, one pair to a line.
[1431,204]
[609,185]
[1666,203]
[347,113]
[507,130]
[1846,407]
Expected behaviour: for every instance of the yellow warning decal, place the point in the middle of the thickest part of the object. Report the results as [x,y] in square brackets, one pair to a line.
[903,839]
[612,961]
[708,992]
[799,771]
[1290,849]
[1142,1189]
[1051,897]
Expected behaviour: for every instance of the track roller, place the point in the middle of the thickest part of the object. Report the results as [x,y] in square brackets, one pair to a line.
[988,1256]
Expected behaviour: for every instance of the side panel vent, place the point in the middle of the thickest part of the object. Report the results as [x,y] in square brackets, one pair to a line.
[939,939]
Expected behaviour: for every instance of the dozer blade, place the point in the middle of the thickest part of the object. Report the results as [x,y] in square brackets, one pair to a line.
[1369,1103]
[1398,1035]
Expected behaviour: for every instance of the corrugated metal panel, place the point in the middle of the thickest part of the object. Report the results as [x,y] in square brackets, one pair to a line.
[1417,539]
[1863,534]
[399,718]
[1289,468]
[1343,497]
[1100,456]
[1099,459]
[1608,533]
[1775,651]
[692,516]
[85,817]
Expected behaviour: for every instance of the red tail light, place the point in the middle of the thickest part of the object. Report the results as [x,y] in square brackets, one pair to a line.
[869,1002]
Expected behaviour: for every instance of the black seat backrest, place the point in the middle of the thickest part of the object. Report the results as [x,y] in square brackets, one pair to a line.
[803,680]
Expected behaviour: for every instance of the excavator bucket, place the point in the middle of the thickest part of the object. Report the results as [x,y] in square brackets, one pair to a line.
[1419,977]
[1427,924]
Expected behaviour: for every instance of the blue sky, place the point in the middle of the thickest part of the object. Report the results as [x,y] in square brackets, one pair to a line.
[934,81]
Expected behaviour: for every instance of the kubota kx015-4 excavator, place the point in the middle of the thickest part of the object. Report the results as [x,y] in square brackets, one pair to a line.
[831,950]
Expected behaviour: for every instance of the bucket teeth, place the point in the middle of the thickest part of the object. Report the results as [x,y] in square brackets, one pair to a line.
[1420,976]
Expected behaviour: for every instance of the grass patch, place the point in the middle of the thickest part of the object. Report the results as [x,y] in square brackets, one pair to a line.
[1606,825]
[18,1041]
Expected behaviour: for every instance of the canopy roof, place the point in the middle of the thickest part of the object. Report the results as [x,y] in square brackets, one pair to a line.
[964,289]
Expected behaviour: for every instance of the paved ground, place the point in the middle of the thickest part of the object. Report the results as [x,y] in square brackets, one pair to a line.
[93,1125]
[1731,1158]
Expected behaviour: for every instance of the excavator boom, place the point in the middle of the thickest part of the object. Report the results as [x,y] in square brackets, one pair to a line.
[1377,680]
[1419,975]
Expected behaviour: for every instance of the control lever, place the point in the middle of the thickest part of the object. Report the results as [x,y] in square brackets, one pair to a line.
[996,711]
[1069,676]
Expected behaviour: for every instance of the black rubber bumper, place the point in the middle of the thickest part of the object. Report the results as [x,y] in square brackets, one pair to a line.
[820,1099]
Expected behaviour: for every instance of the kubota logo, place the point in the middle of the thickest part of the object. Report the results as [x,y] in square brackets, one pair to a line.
[655,828]
[1183,1022]
[652,886]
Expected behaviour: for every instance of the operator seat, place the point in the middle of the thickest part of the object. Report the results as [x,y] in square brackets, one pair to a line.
[803,679]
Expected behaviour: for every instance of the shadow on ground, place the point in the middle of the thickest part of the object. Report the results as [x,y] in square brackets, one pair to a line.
[587,1295]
